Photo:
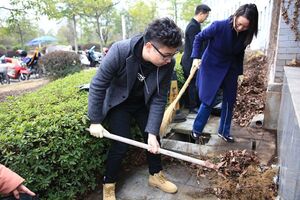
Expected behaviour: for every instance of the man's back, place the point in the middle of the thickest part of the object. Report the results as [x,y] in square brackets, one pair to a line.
[192,29]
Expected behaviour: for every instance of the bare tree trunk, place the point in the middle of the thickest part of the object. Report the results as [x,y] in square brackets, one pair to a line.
[98,31]
[75,34]
[21,35]
[175,11]
[124,27]
[175,7]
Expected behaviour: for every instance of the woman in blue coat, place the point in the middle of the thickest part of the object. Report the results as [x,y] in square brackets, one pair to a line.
[222,63]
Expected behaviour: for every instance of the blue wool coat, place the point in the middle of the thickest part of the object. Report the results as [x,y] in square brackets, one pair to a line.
[222,60]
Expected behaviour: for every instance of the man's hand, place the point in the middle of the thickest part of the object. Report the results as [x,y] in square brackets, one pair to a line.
[22,189]
[153,145]
[196,63]
[97,130]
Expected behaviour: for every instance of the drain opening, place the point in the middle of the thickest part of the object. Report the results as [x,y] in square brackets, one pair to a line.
[187,138]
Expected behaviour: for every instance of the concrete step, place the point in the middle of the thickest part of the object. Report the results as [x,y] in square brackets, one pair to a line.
[187,126]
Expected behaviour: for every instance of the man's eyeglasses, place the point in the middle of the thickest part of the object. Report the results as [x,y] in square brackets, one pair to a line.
[165,57]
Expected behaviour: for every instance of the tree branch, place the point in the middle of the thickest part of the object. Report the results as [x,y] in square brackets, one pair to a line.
[11,9]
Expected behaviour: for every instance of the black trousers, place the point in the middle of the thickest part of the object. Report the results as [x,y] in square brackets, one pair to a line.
[119,119]
[191,98]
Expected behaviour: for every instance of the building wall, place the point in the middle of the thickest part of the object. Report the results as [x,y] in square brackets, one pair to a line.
[288,137]
[287,47]
[222,9]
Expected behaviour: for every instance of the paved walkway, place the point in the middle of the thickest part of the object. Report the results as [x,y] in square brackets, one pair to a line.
[134,184]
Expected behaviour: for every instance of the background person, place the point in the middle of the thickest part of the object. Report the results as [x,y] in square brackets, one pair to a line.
[191,99]
[11,183]
[222,63]
[133,82]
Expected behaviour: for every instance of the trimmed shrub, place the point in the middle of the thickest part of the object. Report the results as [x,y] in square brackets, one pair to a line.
[59,64]
[43,138]
[11,53]
[179,71]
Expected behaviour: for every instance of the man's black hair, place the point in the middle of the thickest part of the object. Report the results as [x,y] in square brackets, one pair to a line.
[203,8]
[164,32]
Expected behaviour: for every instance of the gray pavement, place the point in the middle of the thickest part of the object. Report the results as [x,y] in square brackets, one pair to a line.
[134,183]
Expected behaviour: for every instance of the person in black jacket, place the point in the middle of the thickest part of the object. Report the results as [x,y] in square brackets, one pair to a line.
[192,29]
[132,83]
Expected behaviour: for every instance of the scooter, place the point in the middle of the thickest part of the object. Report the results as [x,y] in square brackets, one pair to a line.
[94,57]
[4,78]
[3,72]
[31,63]
[15,70]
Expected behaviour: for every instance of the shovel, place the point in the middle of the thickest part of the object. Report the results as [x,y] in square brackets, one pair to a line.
[161,151]
[171,110]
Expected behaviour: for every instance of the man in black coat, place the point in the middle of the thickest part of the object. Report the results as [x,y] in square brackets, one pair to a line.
[192,29]
[132,83]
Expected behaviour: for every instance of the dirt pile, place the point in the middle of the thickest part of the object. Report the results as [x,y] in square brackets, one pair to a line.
[251,92]
[240,177]
[243,178]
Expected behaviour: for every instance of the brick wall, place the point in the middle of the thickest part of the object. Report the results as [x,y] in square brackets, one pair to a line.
[287,47]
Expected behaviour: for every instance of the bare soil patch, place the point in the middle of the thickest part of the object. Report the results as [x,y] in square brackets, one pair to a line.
[20,88]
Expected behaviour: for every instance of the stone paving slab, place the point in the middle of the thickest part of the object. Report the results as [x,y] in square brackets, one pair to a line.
[134,185]
[185,147]
[186,126]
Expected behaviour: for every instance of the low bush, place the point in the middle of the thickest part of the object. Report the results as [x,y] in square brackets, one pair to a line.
[43,138]
[11,53]
[59,64]
[179,71]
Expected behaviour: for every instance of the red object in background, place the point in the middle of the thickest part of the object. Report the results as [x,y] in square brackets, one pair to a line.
[15,70]
[8,60]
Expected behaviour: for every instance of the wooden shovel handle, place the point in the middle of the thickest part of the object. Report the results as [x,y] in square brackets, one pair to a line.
[162,151]
[185,85]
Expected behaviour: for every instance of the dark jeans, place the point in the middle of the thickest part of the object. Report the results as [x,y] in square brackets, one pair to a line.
[119,119]
[228,101]
[203,115]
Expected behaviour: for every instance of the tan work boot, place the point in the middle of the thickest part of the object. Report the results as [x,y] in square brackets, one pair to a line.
[109,191]
[160,181]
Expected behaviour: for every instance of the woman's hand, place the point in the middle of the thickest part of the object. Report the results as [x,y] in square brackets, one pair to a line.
[196,63]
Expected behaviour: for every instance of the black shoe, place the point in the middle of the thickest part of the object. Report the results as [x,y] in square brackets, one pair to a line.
[216,112]
[226,138]
[179,117]
[195,137]
[194,111]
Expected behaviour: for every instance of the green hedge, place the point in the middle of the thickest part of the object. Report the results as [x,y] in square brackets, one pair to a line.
[179,71]
[43,138]
[59,64]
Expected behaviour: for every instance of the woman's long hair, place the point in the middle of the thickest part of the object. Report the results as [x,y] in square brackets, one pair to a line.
[250,12]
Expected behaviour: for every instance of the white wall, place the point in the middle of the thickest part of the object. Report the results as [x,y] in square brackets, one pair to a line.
[222,9]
